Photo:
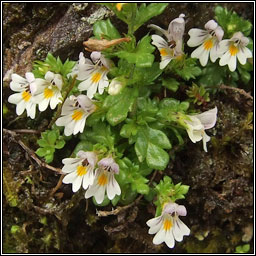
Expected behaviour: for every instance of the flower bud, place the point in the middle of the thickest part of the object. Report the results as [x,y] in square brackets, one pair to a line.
[115,86]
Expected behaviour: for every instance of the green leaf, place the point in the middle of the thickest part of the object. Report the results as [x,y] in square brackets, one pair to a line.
[41,152]
[49,158]
[115,200]
[67,67]
[186,68]
[146,12]
[60,144]
[42,143]
[231,22]
[149,145]
[159,138]
[119,111]
[83,145]
[156,157]
[128,130]
[170,83]
[142,56]
[141,146]
[104,28]
[143,189]
[212,75]
[145,76]
[51,137]
[100,133]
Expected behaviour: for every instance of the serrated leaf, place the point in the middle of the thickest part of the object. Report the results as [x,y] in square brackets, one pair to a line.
[231,22]
[146,12]
[48,158]
[128,130]
[51,137]
[41,152]
[171,84]
[104,28]
[142,56]
[42,143]
[60,144]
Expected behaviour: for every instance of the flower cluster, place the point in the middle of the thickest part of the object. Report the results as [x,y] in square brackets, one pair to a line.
[211,43]
[117,95]
[82,170]
[35,91]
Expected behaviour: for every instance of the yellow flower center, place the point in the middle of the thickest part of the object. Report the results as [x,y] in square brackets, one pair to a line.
[167,224]
[26,96]
[208,44]
[233,50]
[102,179]
[78,114]
[163,52]
[48,93]
[119,6]
[96,77]
[81,170]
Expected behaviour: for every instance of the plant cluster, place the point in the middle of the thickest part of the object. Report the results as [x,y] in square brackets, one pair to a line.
[116,104]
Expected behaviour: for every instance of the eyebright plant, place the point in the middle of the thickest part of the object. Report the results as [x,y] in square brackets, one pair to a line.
[119,104]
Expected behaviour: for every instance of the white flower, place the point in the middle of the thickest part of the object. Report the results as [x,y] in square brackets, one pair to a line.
[105,181]
[24,98]
[197,124]
[168,227]
[80,170]
[93,76]
[234,48]
[208,40]
[166,53]
[115,86]
[48,90]
[174,34]
[74,112]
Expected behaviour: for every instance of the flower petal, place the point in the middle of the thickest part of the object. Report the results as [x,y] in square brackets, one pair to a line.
[113,187]
[76,185]
[232,63]
[85,85]
[159,42]
[15,98]
[208,118]
[224,60]
[69,178]
[206,138]
[169,239]
[49,76]
[197,37]
[159,237]
[100,194]
[20,108]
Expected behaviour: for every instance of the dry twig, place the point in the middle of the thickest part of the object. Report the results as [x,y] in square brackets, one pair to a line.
[120,209]
[240,91]
[31,153]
